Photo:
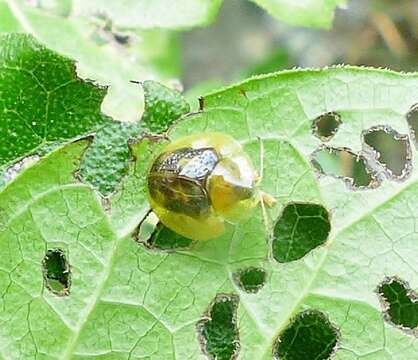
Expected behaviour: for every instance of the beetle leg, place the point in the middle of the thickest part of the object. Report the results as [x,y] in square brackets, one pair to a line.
[267,199]
[266,219]
[261,169]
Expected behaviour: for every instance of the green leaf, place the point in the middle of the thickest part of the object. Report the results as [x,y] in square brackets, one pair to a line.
[99,55]
[43,100]
[370,236]
[310,13]
[128,301]
[189,13]
[51,104]
[129,205]
[194,94]
[105,162]
[155,14]
[41,212]
[163,106]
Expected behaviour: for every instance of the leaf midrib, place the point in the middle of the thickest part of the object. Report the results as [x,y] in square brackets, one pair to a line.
[88,310]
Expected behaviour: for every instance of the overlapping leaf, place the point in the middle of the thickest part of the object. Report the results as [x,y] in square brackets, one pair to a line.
[311,13]
[100,54]
[146,14]
[186,13]
[41,98]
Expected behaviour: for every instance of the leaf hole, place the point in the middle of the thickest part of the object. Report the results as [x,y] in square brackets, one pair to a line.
[326,125]
[344,164]
[165,239]
[56,270]
[390,149]
[16,168]
[400,303]
[218,332]
[300,228]
[412,119]
[156,236]
[250,279]
[310,335]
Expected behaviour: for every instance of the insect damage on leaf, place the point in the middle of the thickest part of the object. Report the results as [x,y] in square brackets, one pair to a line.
[12,171]
[138,303]
[56,270]
[412,119]
[326,125]
[250,279]
[344,164]
[218,332]
[310,335]
[105,162]
[165,239]
[391,150]
[299,229]
[400,303]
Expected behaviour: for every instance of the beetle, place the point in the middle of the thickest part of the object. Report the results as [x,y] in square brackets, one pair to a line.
[199,182]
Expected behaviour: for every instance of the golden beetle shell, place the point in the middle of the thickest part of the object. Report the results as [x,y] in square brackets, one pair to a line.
[200,181]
